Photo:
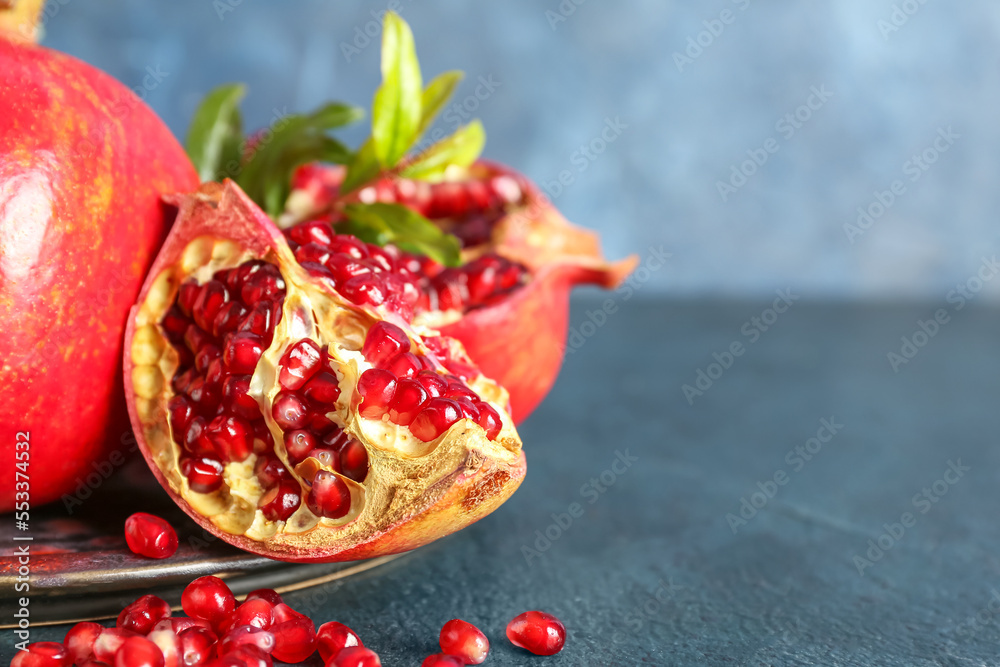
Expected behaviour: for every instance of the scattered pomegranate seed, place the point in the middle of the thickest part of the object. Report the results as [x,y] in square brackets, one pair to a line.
[295,639]
[329,496]
[267,594]
[333,637]
[108,643]
[80,640]
[143,614]
[208,598]
[243,635]
[377,388]
[356,656]
[280,502]
[245,656]
[150,536]
[538,632]
[168,643]
[256,612]
[442,660]
[197,645]
[138,652]
[464,640]
[42,654]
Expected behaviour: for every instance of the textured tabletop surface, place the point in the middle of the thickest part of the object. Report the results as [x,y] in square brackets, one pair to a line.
[874,543]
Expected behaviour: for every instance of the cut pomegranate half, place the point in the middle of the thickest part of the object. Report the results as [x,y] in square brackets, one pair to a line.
[285,374]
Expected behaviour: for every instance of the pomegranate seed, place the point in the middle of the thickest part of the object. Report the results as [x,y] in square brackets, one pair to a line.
[441,660]
[254,611]
[80,640]
[319,422]
[342,268]
[211,297]
[168,643]
[243,635]
[237,399]
[436,418]
[295,640]
[336,439]
[383,342]
[329,496]
[143,614]
[270,470]
[348,245]
[506,189]
[229,318]
[377,388]
[448,200]
[538,632]
[231,437]
[354,461]
[298,445]
[381,258]
[368,289]
[481,282]
[266,283]
[468,408]
[289,411]
[356,656]
[312,231]
[263,441]
[280,502]
[490,420]
[408,400]
[299,363]
[195,338]
[181,413]
[404,365]
[138,652]
[187,295]
[204,395]
[283,613]
[108,643]
[465,641]
[208,598]
[434,384]
[333,637]
[323,388]
[459,390]
[259,320]
[196,645]
[243,351]
[312,253]
[150,536]
[175,323]
[42,654]
[181,623]
[245,656]
[269,595]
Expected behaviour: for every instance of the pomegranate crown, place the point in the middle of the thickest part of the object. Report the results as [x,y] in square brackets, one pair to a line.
[403,109]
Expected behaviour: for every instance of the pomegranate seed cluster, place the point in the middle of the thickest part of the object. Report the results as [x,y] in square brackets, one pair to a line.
[221,632]
[405,388]
[370,275]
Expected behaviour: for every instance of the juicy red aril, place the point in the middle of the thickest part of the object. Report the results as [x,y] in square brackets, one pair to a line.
[244,635]
[490,420]
[267,594]
[256,612]
[211,297]
[433,383]
[377,388]
[270,470]
[468,408]
[245,656]
[138,652]
[143,614]
[459,390]
[295,639]
[208,598]
[356,656]
[181,413]
[187,295]
[329,496]
[322,389]
[231,437]
[354,461]
[265,283]
[404,365]
[409,398]
[195,338]
[175,323]
[229,318]
[242,352]
[80,640]
[313,231]
[333,637]
[538,632]
[196,438]
[298,445]
[342,268]
[205,356]
[237,399]
[150,536]
[168,643]
[368,289]
[436,418]
[259,321]
[280,502]
[442,660]
[283,613]
[350,246]
[465,641]
[299,363]
[108,643]
[42,654]
[383,342]
[289,411]
[196,645]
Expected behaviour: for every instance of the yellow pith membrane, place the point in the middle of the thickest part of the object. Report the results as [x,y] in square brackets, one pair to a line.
[413,492]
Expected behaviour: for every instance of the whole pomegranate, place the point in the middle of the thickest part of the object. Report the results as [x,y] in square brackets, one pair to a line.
[289,402]
[83,162]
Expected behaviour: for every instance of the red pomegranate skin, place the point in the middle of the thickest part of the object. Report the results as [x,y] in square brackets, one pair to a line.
[83,162]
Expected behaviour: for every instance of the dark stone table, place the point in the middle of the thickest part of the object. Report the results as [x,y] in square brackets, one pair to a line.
[868,535]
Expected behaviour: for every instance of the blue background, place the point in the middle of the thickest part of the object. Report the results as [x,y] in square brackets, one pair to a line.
[688,123]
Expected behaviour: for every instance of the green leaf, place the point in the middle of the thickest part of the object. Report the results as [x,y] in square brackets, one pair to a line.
[396,109]
[215,137]
[278,185]
[461,149]
[406,228]
[436,95]
[363,168]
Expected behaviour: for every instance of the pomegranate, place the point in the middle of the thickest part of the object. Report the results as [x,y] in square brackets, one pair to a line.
[538,632]
[442,660]
[150,536]
[42,654]
[83,162]
[464,640]
[143,614]
[333,637]
[339,429]
[355,656]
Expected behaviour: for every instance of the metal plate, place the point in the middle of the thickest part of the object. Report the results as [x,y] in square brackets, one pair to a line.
[81,569]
